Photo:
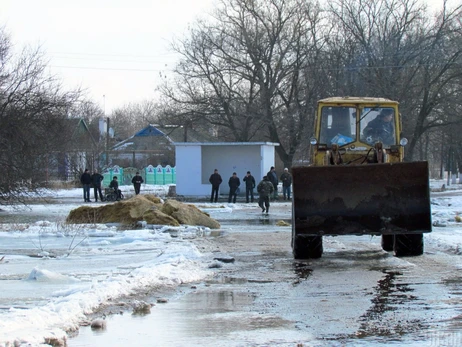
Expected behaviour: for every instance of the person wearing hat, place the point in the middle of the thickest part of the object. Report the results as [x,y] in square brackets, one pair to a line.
[273,178]
[381,128]
[115,185]
[137,180]
[234,183]
[96,180]
[249,186]
[265,189]
[286,179]
[215,179]
[85,179]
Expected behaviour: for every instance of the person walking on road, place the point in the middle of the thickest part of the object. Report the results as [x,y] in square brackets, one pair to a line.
[249,186]
[137,180]
[273,178]
[85,179]
[265,189]
[96,179]
[234,183]
[286,179]
[215,180]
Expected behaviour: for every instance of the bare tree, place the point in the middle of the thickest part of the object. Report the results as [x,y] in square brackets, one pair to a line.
[133,117]
[394,49]
[245,72]
[33,110]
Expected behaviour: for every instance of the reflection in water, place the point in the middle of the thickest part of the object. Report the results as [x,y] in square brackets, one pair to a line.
[263,220]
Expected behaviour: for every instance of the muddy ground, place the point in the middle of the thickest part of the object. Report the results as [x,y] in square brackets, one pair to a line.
[355,295]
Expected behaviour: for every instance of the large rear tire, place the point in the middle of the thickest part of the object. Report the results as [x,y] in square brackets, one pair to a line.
[307,247]
[408,245]
[387,242]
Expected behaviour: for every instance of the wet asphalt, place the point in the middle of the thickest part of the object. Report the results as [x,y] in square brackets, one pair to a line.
[355,295]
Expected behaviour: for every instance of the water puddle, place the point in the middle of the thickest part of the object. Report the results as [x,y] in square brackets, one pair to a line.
[200,318]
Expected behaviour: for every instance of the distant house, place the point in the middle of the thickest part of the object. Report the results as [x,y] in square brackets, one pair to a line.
[152,145]
[78,150]
[149,146]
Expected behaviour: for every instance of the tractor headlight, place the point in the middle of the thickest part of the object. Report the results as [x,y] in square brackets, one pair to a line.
[403,142]
[313,141]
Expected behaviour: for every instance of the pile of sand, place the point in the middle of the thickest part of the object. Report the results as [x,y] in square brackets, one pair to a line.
[148,208]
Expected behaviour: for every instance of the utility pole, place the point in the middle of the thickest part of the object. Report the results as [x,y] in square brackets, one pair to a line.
[107,142]
[107,131]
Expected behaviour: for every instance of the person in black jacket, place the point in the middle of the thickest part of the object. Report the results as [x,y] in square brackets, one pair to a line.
[273,178]
[96,179]
[265,189]
[286,179]
[234,183]
[381,128]
[215,180]
[115,185]
[137,180]
[85,179]
[249,186]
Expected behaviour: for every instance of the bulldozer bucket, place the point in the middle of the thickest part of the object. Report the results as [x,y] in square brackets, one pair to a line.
[392,198]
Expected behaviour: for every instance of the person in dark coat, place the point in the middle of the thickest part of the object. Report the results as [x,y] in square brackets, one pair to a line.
[96,179]
[137,180]
[85,179]
[249,186]
[286,179]
[215,180]
[381,128]
[273,178]
[115,185]
[234,183]
[264,189]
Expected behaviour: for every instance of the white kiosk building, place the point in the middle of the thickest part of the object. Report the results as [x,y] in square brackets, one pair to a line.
[195,162]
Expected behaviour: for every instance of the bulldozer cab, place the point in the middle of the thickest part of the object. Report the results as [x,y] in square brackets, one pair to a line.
[355,125]
[338,124]
[357,182]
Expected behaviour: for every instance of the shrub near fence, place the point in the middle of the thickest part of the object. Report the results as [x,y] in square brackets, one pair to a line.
[152,175]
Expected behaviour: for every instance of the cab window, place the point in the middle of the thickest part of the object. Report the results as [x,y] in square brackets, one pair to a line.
[338,125]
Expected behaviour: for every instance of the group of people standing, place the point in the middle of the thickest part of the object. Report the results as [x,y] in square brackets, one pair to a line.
[95,180]
[268,187]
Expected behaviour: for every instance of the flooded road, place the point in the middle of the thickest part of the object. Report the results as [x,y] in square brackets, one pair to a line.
[355,295]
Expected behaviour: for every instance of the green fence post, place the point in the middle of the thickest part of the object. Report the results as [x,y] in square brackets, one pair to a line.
[150,172]
[158,174]
[168,174]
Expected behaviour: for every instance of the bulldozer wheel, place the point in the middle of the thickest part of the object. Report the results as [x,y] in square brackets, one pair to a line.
[408,245]
[307,247]
[387,242]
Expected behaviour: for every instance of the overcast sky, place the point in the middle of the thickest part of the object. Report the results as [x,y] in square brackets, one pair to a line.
[115,49]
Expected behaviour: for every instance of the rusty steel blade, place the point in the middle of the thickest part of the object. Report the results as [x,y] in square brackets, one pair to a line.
[392,198]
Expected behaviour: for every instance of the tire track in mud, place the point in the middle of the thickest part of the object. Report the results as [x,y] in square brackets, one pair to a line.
[384,297]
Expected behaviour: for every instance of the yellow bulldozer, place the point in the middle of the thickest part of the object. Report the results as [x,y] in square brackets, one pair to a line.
[357,182]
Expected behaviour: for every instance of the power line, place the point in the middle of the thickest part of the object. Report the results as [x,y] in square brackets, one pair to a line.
[114,55]
[107,68]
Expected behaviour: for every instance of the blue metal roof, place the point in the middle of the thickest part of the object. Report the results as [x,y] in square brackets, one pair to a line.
[149,131]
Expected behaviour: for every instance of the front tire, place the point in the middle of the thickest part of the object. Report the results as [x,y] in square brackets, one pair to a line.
[387,242]
[408,245]
[307,247]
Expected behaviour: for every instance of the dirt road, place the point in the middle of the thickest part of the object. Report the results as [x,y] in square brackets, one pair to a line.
[355,295]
